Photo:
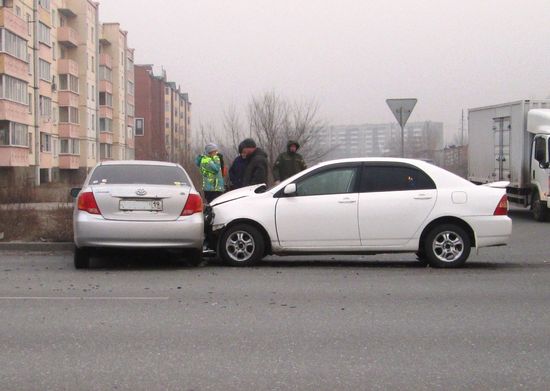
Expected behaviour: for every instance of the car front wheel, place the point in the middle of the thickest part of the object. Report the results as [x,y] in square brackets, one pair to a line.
[447,246]
[241,245]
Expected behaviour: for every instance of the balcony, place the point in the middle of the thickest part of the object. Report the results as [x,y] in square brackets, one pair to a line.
[14,156]
[15,112]
[67,36]
[66,12]
[69,130]
[69,162]
[105,138]
[14,67]
[68,98]
[66,66]
[13,22]
[105,86]
[46,160]
[105,112]
[106,60]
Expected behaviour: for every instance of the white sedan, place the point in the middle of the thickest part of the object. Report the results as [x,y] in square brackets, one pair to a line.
[362,206]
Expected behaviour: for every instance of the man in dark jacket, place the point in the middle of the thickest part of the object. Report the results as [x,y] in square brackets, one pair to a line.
[288,163]
[236,172]
[256,168]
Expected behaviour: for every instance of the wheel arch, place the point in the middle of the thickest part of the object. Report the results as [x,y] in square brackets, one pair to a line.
[449,220]
[255,224]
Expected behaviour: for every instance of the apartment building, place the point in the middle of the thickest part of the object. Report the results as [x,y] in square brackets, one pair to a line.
[66,90]
[421,138]
[163,117]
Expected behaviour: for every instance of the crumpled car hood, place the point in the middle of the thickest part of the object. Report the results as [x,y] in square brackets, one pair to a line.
[236,194]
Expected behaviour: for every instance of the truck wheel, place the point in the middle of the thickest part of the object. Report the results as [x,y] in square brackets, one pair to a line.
[81,258]
[447,246]
[242,245]
[539,209]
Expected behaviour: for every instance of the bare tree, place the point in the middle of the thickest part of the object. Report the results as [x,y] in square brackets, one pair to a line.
[233,128]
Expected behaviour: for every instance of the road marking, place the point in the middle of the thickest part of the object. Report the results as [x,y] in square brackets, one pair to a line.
[81,298]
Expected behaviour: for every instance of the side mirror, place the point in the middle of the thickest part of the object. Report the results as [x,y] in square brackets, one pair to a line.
[290,189]
[75,191]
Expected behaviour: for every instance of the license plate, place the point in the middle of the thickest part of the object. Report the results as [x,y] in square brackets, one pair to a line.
[152,205]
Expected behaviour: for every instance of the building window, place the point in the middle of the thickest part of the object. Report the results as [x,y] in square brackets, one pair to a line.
[70,146]
[130,110]
[54,56]
[45,4]
[68,115]
[105,74]
[106,125]
[45,106]
[93,121]
[105,99]
[13,89]
[139,127]
[13,134]
[55,148]
[44,35]
[13,44]
[105,151]
[45,142]
[93,64]
[68,83]
[93,93]
[44,70]
[130,88]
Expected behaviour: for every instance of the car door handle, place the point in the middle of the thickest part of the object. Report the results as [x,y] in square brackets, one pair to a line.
[422,197]
[347,201]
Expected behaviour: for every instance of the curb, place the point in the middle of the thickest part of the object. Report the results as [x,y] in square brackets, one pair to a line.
[36,246]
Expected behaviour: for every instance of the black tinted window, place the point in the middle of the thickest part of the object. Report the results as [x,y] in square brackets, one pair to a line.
[336,181]
[394,178]
[142,174]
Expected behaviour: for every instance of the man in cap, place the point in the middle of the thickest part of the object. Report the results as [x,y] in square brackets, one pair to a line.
[237,169]
[211,172]
[288,163]
[256,168]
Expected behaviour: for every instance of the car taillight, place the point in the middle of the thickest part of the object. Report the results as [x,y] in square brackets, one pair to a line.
[502,207]
[193,205]
[87,203]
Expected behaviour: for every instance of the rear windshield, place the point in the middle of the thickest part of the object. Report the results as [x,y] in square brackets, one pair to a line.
[139,174]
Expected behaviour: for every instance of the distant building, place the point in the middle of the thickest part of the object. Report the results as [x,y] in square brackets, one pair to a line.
[163,117]
[381,140]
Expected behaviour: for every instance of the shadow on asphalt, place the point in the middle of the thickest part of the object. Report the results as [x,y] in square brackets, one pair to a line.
[140,261]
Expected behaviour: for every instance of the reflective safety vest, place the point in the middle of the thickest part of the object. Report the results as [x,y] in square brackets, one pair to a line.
[210,168]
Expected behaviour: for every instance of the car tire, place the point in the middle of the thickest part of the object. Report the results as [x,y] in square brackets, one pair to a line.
[540,211]
[194,258]
[241,245]
[447,246]
[81,258]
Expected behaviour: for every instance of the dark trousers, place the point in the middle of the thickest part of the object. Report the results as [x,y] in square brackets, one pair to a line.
[211,195]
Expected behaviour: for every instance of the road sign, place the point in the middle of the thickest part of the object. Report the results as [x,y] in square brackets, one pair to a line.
[401,109]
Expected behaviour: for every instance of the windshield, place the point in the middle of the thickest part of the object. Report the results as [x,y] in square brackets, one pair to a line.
[142,174]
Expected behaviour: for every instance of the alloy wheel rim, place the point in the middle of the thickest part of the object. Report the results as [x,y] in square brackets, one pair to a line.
[448,246]
[240,246]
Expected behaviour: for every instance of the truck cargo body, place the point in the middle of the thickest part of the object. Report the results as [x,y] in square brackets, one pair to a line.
[500,146]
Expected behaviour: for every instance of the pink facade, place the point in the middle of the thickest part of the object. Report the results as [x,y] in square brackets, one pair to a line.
[106,138]
[67,66]
[69,162]
[105,86]
[15,112]
[13,23]
[68,36]
[68,98]
[14,67]
[69,130]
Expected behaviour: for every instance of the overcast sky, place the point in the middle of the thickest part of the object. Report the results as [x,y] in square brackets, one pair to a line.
[349,55]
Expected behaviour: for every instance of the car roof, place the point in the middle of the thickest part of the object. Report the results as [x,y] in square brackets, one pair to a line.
[136,163]
[376,159]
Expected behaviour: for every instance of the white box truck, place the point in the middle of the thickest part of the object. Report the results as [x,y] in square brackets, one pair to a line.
[510,142]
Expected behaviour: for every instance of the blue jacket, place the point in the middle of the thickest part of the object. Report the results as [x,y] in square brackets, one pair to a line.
[236,172]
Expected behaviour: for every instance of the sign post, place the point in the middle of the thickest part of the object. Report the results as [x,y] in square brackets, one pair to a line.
[402,109]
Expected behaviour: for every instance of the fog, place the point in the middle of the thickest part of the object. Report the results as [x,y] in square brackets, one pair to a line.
[349,55]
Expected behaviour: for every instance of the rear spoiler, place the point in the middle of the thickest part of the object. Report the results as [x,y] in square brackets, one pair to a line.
[498,185]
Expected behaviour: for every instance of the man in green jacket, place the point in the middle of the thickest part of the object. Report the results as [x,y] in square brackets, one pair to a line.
[288,163]
[211,172]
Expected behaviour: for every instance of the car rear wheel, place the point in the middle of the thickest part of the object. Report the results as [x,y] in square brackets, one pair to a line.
[447,246]
[242,245]
[81,258]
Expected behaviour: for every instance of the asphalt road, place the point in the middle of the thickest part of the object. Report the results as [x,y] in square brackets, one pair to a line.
[331,323]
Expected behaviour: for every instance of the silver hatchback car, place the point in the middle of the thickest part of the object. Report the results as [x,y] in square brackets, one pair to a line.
[137,204]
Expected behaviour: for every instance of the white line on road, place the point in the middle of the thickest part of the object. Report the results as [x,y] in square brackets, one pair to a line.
[81,298]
